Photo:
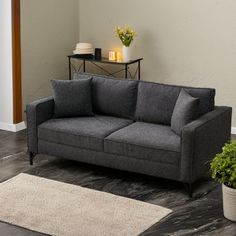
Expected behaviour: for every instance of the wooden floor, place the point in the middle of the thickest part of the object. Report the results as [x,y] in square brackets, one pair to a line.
[201,215]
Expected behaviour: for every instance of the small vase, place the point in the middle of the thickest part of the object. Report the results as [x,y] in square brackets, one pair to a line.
[126,53]
[229,202]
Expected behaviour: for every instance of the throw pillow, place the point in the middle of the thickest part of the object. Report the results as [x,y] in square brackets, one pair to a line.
[72,98]
[186,109]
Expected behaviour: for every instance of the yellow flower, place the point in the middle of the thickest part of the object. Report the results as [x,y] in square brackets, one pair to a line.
[126,34]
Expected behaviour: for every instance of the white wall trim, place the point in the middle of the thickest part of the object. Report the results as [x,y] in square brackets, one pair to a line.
[233,130]
[13,127]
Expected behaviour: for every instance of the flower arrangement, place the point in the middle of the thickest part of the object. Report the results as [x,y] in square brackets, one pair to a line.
[125,34]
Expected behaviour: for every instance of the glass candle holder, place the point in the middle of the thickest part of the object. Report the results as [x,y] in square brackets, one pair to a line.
[112,56]
[118,56]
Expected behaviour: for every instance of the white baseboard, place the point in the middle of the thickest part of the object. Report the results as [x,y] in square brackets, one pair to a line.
[13,127]
[233,130]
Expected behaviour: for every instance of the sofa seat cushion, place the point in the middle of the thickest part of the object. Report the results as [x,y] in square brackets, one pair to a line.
[82,132]
[151,142]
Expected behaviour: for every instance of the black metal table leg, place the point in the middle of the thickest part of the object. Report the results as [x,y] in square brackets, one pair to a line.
[126,71]
[69,69]
[84,66]
[139,74]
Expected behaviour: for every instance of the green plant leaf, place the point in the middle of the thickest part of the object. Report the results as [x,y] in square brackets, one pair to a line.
[223,166]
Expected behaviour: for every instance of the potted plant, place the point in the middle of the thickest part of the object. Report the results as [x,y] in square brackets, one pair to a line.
[223,168]
[126,35]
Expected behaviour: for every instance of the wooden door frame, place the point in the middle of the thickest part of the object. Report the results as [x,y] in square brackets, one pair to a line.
[16,62]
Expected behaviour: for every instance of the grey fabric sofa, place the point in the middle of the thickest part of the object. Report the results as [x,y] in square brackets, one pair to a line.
[131,130]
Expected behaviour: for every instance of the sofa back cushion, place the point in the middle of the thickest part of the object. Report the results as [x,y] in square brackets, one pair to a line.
[156,102]
[77,76]
[110,96]
[115,97]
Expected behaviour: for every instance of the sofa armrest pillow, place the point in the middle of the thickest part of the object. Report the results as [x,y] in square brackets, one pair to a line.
[72,98]
[186,110]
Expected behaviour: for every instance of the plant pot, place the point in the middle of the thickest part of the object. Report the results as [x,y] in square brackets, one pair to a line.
[126,53]
[229,202]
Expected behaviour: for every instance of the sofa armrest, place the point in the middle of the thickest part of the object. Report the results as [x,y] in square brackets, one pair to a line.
[201,140]
[37,112]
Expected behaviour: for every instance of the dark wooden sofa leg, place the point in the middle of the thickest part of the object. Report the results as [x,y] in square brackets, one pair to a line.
[31,157]
[189,188]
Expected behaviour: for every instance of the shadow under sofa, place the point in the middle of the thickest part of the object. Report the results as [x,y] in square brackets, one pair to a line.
[131,130]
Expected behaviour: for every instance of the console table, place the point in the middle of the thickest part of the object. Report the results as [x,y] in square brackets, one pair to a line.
[95,62]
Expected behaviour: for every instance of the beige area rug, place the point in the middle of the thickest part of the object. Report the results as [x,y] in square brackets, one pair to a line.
[56,208]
